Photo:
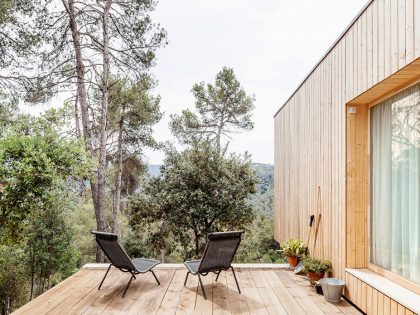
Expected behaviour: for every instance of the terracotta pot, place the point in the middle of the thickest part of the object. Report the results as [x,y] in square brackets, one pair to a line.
[293,261]
[315,277]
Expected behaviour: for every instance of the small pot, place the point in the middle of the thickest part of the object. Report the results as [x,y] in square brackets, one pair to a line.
[318,288]
[293,261]
[315,277]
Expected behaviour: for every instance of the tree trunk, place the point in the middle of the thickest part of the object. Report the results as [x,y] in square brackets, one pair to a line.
[31,296]
[6,310]
[104,121]
[117,206]
[83,103]
[76,117]
[219,134]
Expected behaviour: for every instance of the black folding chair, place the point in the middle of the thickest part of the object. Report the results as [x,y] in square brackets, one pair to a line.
[119,258]
[218,255]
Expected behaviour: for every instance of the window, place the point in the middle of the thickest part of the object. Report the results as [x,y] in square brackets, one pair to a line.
[395,184]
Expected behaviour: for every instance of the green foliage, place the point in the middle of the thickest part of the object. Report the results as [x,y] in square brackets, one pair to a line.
[316,265]
[197,192]
[84,222]
[258,245]
[294,248]
[8,111]
[30,167]
[39,173]
[18,35]
[51,254]
[135,110]
[262,200]
[13,278]
[222,109]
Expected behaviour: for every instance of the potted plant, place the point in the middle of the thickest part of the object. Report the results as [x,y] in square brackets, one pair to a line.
[293,250]
[316,268]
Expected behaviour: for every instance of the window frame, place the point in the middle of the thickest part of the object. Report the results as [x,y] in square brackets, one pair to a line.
[375,268]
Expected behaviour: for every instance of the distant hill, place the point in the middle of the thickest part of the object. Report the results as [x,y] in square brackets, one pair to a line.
[262,200]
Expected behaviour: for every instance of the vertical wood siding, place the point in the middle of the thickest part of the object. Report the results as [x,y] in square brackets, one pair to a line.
[310,133]
[370,300]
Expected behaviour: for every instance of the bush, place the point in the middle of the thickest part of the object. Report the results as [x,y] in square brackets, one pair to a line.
[316,265]
[258,245]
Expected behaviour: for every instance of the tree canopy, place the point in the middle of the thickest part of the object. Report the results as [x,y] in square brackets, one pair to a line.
[198,192]
[222,109]
[39,170]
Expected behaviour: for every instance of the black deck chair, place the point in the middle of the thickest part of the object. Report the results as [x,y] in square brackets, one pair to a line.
[119,258]
[220,250]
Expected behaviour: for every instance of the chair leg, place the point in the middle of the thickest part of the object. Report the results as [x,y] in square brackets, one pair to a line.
[202,287]
[218,275]
[128,284]
[186,278]
[103,279]
[155,277]
[236,280]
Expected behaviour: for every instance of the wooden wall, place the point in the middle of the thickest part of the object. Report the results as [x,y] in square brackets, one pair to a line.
[313,145]
[372,301]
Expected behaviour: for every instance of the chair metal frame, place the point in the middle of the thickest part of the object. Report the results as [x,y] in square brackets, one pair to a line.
[134,271]
[216,271]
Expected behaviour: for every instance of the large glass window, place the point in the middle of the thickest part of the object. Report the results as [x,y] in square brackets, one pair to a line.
[395,184]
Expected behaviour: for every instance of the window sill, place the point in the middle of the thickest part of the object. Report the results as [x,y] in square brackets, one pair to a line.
[398,293]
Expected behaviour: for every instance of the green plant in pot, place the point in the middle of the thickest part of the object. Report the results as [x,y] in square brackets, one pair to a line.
[293,250]
[316,268]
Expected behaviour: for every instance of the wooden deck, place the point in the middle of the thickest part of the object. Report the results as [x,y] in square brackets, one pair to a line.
[264,291]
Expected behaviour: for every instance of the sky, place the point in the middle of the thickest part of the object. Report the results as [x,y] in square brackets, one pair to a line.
[271,45]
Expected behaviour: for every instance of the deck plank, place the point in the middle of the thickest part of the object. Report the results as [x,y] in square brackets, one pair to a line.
[250,291]
[203,306]
[149,300]
[327,308]
[59,303]
[238,304]
[139,287]
[55,292]
[186,304]
[89,296]
[221,303]
[272,303]
[300,295]
[171,298]
[104,297]
[285,297]
[264,291]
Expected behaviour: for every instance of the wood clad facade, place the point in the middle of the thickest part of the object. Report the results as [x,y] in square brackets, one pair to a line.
[321,132]
[371,300]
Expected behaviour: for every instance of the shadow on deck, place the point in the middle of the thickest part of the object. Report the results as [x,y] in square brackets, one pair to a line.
[264,291]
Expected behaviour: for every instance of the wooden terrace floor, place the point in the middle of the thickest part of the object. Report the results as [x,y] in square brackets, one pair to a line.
[264,291]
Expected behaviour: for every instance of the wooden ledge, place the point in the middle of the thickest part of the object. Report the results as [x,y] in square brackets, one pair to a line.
[398,293]
[94,266]
[402,79]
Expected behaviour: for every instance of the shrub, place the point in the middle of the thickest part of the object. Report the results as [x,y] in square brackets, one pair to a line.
[316,265]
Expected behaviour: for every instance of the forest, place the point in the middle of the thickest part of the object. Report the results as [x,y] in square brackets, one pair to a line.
[80,166]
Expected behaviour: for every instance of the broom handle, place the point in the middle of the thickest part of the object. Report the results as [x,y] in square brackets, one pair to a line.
[309,235]
[318,199]
[316,231]
[311,221]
